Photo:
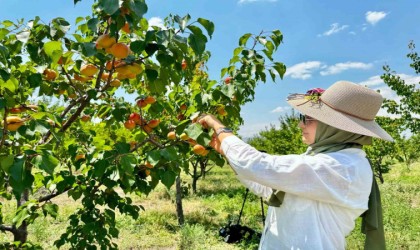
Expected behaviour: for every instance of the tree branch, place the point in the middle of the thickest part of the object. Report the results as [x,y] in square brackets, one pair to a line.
[7,228]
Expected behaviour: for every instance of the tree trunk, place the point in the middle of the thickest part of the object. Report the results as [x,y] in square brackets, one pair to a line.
[21,234]
[179,209]
[203,168]
[194,179]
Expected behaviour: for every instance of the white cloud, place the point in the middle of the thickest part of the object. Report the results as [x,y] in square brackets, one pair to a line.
[253,1]
[280,109]
[374,17]
[303,70]
[335,28]
[352,33]
[372,81]
[156,21]
[340,67]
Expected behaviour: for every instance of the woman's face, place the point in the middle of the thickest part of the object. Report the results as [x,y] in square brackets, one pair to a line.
[308,126]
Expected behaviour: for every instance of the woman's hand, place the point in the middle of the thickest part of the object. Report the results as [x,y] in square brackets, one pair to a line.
[210,121]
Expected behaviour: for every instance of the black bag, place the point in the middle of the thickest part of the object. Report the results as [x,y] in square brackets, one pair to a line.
[233,233]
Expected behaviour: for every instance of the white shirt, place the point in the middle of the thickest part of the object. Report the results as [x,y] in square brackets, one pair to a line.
[325,193]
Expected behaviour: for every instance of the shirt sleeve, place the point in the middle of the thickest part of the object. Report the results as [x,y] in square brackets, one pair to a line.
[256,188]
[320,177]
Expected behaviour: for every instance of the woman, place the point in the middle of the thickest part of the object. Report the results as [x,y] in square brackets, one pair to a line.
[317,195]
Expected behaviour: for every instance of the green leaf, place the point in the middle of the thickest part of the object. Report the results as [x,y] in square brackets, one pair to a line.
[138,6]
[4,52]
[208,25]
[6,162]
[46,161]
[153,157]
[51,209]
[280,68]
[194,131]
[151,74]
[12,84]
[169,153]
[35,80]
[168,178]
[93,24]
[21,216]
[4,75]
[122,147]
[51,47]
[137,46]
[20,178]
[89,49]
[100,167]
[157,87]
[109,6]
[128,162]
[197,43]
[182,21]
[244,39]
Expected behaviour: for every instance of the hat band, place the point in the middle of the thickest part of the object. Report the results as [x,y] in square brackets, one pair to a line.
[336,109]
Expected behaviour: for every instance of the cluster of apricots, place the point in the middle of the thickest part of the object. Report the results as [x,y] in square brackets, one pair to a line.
[197,148]
[119,68]
[135,119]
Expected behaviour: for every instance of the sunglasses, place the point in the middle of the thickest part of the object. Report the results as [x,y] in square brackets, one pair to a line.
[305,118]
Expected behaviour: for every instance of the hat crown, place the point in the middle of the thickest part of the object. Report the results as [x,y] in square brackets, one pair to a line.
[353,99]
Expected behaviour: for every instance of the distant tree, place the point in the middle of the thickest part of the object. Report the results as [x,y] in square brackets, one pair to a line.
[286,139]
[408,108]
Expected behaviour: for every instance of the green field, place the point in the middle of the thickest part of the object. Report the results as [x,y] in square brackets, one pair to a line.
[219,197]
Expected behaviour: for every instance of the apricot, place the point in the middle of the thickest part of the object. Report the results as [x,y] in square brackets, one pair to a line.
[184,65]
[115,83]
[183,107]
[221,111]
[199,149]
[13,123]
[79,157]
[141,103]
[105,41]
[171,135]
[150,100]
[153,123]
[49,74]
[88,70]
[130,124]
[119,50]
[126,28]
[184,137]
[85,118]
[135,117]
[148,165]
[147,128]
[228,79]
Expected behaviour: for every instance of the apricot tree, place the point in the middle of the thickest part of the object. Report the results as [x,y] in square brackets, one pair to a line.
[62,149]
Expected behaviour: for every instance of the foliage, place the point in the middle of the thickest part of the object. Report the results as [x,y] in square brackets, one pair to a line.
[287,139]
[408,107]
[76,146]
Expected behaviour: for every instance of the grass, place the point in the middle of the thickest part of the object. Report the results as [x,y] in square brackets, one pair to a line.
[218,200]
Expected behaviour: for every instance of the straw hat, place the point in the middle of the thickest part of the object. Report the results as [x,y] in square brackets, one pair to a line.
[344,105]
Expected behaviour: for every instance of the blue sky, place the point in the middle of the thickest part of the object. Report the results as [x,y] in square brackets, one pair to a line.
[324,40]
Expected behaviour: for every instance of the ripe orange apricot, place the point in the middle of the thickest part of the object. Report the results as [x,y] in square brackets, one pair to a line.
[184,65]
[105,41]
[153,123]
[88,70]
[126,28]
[14,122]
[150,100]
[85,118]
[171,135]
[228,79]
[141,103]
[147,128]
[199,149]
[79,157]
[120,50]
[49,74]
[130,124]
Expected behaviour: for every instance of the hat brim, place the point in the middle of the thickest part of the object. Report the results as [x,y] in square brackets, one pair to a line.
[327,115]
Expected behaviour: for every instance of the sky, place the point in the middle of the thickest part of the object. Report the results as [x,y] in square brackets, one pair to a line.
[324,41]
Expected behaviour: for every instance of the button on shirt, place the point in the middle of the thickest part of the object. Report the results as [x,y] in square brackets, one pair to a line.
[325,193]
